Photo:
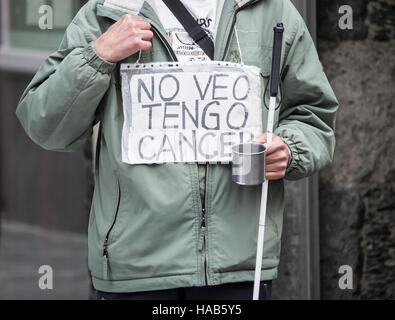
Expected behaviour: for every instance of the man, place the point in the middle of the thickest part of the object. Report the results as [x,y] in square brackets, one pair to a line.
[179,230]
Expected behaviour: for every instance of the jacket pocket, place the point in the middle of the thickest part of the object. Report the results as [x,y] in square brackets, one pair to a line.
[155,232]
[107,239]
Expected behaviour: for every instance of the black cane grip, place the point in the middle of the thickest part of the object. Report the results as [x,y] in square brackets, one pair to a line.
[276,59]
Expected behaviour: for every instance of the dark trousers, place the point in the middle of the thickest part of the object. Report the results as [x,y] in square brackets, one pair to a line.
[228,291]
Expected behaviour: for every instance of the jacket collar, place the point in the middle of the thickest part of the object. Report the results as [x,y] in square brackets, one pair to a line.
[115,9]
[128,6]
[135,6]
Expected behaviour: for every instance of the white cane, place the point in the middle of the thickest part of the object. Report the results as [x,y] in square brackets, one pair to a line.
[274,84]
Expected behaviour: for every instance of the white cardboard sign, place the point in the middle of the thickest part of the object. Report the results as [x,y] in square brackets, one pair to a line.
[188,112]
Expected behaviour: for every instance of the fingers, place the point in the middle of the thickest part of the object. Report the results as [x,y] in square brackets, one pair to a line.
[146,35]
[261,139]
[142,30]
[142,25]
[130,22]
[276,171]
[276,167]
[137,18]
[138,32]
[144,45]
[277,156]
[281,155]
[277,163]
[131,17]
[274,176]
[273,147]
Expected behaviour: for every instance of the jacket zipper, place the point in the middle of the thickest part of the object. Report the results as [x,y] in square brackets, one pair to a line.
[105,245]
[203,228]
[250,3]
[203,245]
[165,42]
[203,217]
[203,225]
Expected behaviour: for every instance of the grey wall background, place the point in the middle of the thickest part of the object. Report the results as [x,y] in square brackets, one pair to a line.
[357,192]
[37,187]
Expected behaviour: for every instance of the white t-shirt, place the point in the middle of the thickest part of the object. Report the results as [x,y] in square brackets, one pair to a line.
[206,12]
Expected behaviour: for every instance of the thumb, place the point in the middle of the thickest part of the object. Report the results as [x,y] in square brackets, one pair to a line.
[261,139]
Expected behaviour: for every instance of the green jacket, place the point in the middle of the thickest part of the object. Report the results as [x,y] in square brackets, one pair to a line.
[145,223]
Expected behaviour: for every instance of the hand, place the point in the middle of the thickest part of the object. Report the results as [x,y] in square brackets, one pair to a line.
[124,38]
[277,157]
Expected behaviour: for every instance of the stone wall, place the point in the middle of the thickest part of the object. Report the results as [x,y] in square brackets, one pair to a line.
[357,193]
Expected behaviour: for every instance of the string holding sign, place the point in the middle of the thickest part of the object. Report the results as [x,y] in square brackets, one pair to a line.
[188,112]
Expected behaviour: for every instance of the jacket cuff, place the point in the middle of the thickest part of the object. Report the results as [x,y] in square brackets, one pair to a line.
[96,62]
[290,154]
[294,155]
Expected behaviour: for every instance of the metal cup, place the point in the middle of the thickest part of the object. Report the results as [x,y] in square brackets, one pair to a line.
[248,164]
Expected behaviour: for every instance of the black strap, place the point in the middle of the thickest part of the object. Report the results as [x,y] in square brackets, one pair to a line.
[189,23]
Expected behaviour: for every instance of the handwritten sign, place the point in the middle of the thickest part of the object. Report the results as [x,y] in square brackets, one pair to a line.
[188,112]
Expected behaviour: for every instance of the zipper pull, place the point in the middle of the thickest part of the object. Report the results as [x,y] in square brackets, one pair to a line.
[105,260]
[203,218]
[201,239]
[105,247]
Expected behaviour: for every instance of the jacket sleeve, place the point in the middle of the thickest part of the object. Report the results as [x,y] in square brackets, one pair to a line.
[308,112]
[57,110]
